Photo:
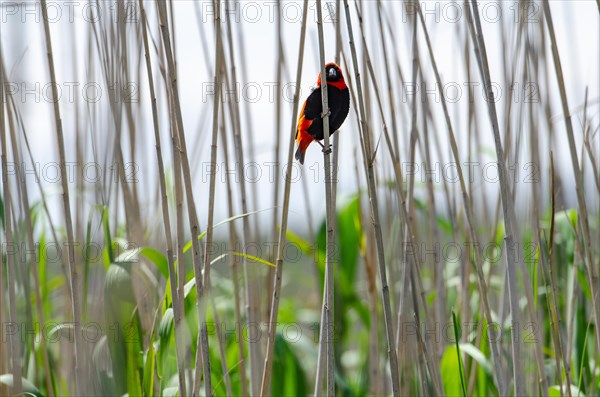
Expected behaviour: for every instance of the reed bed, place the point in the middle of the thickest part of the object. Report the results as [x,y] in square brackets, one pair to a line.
[158,239]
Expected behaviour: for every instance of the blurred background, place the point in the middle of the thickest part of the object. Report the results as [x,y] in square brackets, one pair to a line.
[126,261]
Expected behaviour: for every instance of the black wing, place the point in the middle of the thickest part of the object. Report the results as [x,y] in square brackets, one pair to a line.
[339,109]
[312,111]
[339,105]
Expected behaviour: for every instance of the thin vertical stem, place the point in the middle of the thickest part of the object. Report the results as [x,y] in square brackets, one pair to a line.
[176,282]
[163,190]
[369,166]
[250,272]
[268,366]
[33,266]
[181,146]
[12,282]
[579,188]
[211,197]
[235,272]
[75,299]
[483,290]
[507,205]
[329,214]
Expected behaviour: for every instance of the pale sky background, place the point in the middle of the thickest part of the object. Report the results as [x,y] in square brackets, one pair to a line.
[22,39]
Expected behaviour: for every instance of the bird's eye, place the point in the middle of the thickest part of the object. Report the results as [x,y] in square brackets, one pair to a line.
[332,74]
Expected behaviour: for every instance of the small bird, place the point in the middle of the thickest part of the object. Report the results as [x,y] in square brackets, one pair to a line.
[310,121]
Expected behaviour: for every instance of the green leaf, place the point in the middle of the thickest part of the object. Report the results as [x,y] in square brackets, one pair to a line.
[28,387]
[478,356]
[118,283]
[187,247]
[288,377]
[304,246]
[247,256]
[451,373]
[43,275]
[580,349]
[349,234]
[57,328]
[165,332]
[445,225]
[135,364]
[2,211]
[348,241]
[150,365]
[171,391]
[461,367]
[554,391]
[125,343]
[101,361]
[216,372]
[153,255]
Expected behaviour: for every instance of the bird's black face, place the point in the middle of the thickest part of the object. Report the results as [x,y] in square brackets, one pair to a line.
[333,73]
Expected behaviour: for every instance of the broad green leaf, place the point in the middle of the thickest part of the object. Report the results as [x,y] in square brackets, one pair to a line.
[445,225]
[554,391]
[101,362]
[288,377]
[304,246]
[582,369]
[350,234]
[451,372]
[165,332]
[125,343]
[52,333]
[118,283]
[217,376]
[461,367]
[349,239]
[153,255]
[28,387]
[477,355]
[171,391]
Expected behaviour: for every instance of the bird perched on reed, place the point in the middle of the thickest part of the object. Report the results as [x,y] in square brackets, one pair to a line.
[310,121]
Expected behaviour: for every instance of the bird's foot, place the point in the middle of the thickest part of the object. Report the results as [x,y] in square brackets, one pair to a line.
[328,113]
[326,150]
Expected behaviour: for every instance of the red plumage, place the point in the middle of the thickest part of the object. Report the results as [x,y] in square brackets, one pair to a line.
[310,121]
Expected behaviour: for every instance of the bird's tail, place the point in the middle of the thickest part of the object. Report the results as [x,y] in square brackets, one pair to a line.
[300,154]
[303,141]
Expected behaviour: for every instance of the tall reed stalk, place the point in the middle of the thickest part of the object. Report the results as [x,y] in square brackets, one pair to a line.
[235,272]
[274,310]
[482,284]
[330,213]
[181,146]
[211,198]
[177,308]
[418,167]
[12,281]
[250,273]
[24,196]
[369,160]
[507,206]
[78,347]
[592,269]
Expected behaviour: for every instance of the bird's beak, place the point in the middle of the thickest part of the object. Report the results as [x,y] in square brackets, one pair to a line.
[332,73]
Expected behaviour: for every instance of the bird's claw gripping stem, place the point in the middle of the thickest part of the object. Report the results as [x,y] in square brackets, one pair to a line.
[328,113]
[326,150]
